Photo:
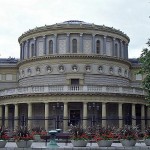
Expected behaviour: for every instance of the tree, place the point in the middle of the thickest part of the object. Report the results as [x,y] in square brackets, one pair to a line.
[145,70]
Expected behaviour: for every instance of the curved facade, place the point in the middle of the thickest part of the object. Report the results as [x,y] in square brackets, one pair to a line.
[73,73]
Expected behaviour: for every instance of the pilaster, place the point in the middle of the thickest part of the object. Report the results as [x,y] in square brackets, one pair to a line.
[84,114]
[103,114]
[46,115]
[65,121]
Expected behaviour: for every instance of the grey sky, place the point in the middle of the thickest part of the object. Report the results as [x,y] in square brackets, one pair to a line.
[18,16]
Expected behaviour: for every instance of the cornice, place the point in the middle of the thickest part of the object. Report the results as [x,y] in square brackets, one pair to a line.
[72,56]
[71,94]
[57,27]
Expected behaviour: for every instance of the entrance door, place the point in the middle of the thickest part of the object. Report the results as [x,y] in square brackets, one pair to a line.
[74,117]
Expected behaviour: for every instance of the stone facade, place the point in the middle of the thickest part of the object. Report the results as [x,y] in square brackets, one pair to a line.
[71,73]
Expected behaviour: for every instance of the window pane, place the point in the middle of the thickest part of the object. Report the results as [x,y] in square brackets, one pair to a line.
[74,46]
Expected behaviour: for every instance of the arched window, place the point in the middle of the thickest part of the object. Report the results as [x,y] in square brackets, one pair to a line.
[32,50]
[74,46]
[98,46]
[116,50]
[50,47]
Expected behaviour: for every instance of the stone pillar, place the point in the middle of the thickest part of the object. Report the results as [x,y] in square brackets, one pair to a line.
[29,115]
[44,44]
[84,114]
[93,44]
[55,43]
[68,43]
[133,115]
[16,116]
[28,52]
[143,117]
[35,52]
[21,51]
[120,115]
[120,51]
[46,115]
[103,114]
[113,52]
[6,115]
[104,46]
[81,43]
[148,116]
[0,115]
[126,51]
[65,121]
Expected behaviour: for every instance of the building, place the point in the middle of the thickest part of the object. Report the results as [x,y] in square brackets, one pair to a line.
[72,73]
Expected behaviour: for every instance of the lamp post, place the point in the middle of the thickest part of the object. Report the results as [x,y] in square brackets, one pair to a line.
[58,107]
[93,107]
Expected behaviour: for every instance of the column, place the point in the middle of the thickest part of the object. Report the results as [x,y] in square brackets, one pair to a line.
[126,51]
[104,46]
[65,121]
[68,43]
[81,42]
[21,51]
[120,115]
[133,115]
[35,52]
[46,115]
[29,115]
[6,116]
[104,114]
[113,52]
[93,43]
[143,117]
[0,114]
[28,52]
[44,44]
[55,43]
[148,115]
[84,114]
[120,51]
[16,116]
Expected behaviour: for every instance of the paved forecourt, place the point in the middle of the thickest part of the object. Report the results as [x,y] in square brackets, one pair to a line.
[63,146]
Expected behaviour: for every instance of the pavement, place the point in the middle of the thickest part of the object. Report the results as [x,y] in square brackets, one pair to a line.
[63,146]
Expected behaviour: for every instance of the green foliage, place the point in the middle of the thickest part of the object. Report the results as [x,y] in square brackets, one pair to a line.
[145,70]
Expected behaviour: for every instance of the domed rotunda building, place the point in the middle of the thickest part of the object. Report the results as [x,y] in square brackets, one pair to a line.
[72,73]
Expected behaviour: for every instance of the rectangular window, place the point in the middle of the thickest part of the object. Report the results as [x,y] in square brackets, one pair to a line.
[8,77]
[74,81]
[138,77]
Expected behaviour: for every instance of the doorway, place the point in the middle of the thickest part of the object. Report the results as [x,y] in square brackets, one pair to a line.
[74,117]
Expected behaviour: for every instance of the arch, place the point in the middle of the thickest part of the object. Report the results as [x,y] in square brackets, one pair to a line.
[74,46]
[50,47]
[98,44]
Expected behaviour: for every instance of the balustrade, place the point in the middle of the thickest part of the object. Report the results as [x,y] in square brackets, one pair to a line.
[61,89]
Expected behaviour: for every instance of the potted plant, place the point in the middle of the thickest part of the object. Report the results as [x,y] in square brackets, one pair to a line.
[104,136]
[37,132]
[3,136]
[23,137]
[147,136]
[79,137]
[128,135]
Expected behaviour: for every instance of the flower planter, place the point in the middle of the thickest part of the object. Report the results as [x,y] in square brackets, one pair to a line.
[128,143]
[37,137]
[147,142]
[104,143]
[24,144]
[79,143]
[2,143]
